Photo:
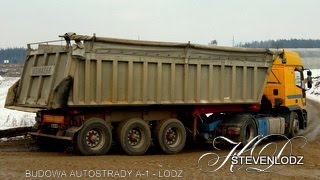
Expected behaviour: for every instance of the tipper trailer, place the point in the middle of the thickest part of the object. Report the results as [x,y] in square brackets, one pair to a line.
[94,91]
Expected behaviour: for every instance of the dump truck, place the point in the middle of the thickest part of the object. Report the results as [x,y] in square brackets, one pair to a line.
[93,92]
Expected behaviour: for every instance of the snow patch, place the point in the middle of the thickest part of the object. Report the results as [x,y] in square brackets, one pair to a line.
[12,118]
[314,92]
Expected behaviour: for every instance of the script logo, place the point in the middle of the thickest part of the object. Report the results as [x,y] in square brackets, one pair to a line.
[269,157]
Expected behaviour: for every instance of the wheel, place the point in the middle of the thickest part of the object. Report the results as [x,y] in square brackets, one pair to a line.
[293,120]
[170,135]
[248,130]
[94,138]
[134,136]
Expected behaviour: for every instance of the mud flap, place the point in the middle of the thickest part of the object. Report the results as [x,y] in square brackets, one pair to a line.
[70,132]
[60,96]
[11,96]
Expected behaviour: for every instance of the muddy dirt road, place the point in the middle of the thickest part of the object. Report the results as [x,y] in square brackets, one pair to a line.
[21,159]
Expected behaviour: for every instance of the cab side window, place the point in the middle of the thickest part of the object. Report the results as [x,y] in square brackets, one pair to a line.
[299,79]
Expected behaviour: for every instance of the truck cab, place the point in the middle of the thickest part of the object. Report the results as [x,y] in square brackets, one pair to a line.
[286,91]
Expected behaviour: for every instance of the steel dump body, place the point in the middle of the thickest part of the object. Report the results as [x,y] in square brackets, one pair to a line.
[115,72]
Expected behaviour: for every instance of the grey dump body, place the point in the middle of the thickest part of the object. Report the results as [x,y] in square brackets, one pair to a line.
[103,72]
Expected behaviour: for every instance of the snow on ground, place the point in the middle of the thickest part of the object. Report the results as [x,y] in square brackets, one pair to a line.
[11,118]
[314,92]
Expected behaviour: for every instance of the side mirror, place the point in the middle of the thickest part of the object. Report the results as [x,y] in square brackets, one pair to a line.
[309,79]
[309,73]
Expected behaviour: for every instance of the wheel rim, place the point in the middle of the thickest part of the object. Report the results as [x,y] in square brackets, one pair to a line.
[172,137]
[94,139]
[134,137]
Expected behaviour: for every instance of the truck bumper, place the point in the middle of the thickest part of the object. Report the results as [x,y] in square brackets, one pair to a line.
[69,134]
[35,134]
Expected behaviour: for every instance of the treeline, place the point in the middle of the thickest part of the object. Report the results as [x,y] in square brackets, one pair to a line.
[14,55]
[283,43]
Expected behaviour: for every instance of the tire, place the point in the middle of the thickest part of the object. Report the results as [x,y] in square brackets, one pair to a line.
[293,120]
[170,136]
[94,138]
[134,136]
[248,130]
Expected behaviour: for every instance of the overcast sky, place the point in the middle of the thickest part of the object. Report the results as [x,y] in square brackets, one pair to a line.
[198,21]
